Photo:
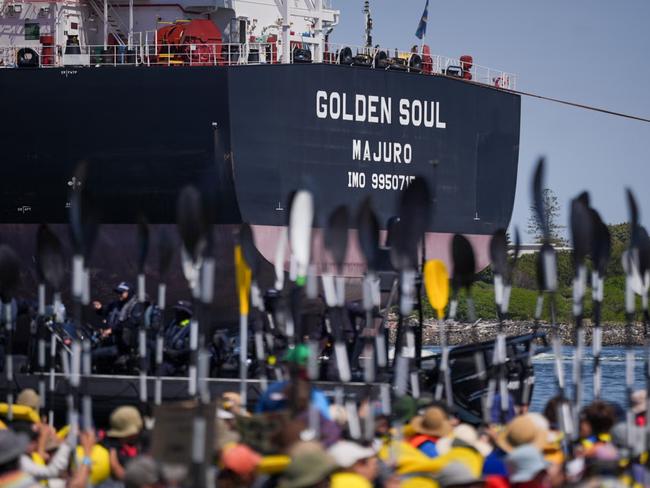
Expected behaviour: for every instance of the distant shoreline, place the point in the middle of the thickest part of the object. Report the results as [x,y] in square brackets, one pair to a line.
[464,333]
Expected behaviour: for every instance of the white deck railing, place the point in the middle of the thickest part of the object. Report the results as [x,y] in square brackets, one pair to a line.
[224,54]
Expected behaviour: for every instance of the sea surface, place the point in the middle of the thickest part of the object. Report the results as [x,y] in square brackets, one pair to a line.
[612,360]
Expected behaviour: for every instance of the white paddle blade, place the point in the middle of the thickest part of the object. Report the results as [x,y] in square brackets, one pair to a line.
[300,223]
[278,262]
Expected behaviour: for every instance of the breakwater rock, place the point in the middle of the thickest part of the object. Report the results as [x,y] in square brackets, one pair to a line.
[480,331]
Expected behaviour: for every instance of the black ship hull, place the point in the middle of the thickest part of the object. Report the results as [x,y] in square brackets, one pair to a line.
[248,136]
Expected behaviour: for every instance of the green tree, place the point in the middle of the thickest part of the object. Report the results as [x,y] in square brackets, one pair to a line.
[552,214]
[620,234]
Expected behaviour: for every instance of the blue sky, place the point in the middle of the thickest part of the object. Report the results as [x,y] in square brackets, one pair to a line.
[588,51]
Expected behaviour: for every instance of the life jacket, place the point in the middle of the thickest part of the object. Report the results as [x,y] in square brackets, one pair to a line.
[100,469]
[20,412]
[418,440]
[177,334]
[349,480]
[593,440]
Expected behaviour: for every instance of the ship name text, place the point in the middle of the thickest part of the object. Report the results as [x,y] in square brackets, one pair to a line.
[374,109]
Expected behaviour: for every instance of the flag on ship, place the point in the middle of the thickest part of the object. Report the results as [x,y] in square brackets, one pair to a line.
[422,26]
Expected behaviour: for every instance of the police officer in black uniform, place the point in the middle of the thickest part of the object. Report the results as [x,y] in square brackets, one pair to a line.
[176,341]
[115,317]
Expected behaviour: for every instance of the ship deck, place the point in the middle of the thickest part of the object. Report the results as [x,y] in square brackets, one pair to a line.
[232,54]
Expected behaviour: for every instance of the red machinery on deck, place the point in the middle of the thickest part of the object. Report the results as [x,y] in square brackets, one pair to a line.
[197,42]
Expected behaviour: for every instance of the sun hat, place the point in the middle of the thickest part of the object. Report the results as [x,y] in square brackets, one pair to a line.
[523,429]
[433,422]
[125,422]
[466,434]
[241,459]
[455,474]
[639,401]
[29,398]
[347,453]
[141,471]
[524,463]
[306,469]
[12,445]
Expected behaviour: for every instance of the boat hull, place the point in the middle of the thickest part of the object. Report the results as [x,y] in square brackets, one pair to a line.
[248,136]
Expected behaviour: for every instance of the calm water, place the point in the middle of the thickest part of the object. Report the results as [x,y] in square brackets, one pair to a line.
[613,374]
[612,360]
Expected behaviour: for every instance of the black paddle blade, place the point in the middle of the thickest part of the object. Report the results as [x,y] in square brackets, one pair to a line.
[414,212]
[517,246]
[581,230]
[9,272]
[143,243]
[248,248]
[84,218]
[499,252]
[644,251]
[368,232]
[336,235]
[190,220]
[538,197]
[464,262]
[393,237]
[166,250]
[601,245]
[633,209]
[49,257]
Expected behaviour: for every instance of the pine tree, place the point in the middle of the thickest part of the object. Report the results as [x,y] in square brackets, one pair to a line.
[552,213]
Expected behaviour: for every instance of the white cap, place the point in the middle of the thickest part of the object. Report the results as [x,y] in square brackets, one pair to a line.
[347,453]
[224,414]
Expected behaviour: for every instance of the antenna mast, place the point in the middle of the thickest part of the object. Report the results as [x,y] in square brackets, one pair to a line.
[366,12]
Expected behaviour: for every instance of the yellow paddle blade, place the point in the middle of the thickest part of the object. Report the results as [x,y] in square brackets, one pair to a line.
[243,274]
[436,282]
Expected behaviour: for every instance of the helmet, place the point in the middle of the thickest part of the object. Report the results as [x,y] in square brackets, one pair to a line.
[122,287]
[183,306]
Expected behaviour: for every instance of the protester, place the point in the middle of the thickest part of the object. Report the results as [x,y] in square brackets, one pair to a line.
[527,467]
[123,439]
[12,447]
[359,465]
[429,428]
[142,472]
[310,468]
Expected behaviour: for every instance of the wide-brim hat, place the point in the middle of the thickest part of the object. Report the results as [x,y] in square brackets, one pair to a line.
[455,474]
[433,422]
[29,398]
[347,453]
[639,401]
[125,422]
[467,435]
[307,469]
[12,445]
[524,463]
[520,431]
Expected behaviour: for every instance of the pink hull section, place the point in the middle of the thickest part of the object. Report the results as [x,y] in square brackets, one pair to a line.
[438,246]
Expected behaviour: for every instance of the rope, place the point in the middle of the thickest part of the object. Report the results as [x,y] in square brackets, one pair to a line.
[580,105]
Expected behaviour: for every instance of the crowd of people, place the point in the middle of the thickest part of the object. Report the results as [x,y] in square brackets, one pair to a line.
[271,443]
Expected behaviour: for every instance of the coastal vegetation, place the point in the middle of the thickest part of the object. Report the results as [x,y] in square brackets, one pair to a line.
[524,290]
